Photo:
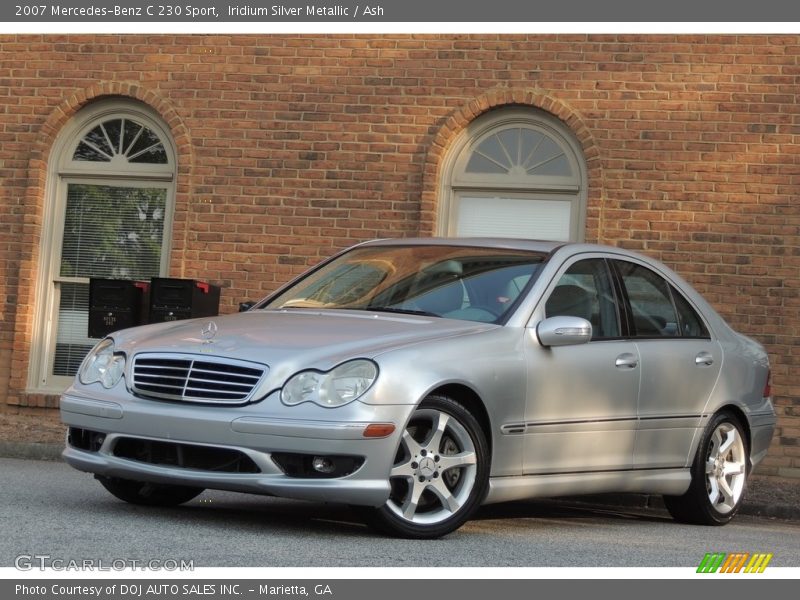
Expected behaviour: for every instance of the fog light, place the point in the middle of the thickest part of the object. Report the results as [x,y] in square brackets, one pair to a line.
[322,464]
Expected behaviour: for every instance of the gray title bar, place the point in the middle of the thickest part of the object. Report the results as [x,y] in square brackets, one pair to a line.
[365,11]
[369,589]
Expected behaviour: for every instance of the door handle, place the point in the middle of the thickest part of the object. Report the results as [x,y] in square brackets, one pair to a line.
[704,359]
[627,361]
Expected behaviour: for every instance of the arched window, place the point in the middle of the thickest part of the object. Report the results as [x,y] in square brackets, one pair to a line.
[111,193]
[514,172]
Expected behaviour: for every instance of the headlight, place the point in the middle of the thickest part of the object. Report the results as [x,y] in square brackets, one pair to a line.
[102,364]
[337,387]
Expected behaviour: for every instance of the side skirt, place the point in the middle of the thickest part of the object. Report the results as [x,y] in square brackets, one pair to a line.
[656,481]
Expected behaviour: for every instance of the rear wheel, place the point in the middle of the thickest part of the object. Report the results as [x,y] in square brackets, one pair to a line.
[719,475]
[149,494]
[440,473]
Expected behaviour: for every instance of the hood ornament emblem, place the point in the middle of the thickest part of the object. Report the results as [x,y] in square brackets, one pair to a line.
[209,332]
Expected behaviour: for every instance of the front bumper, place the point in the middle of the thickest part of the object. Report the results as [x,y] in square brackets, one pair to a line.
[257,431]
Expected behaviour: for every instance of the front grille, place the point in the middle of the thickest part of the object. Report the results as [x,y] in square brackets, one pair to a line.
[185,456]
[193,378]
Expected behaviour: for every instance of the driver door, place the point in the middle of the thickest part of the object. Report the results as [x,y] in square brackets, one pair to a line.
[581,409]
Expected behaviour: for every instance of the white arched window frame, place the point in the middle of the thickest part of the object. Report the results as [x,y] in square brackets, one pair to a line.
[514,172]
[109,207]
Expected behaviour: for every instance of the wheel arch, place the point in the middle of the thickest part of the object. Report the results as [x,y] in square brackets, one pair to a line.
[470,400]
[705,502]
[737,412]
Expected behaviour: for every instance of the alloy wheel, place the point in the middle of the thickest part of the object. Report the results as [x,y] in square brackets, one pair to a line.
[725,468]
[435,469]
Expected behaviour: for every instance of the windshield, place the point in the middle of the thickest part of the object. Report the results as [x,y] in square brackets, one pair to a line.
[473,284]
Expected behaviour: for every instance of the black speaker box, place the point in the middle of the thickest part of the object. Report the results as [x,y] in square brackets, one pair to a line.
[177,299]
[116,304]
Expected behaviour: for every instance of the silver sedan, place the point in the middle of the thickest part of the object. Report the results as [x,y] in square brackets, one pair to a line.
[422,378]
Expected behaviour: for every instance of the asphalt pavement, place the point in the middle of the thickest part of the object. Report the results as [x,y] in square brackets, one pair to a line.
[768,497]
[48,508]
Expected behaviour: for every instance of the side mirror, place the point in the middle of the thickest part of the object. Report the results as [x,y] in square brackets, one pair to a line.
[245,306]
[564,331]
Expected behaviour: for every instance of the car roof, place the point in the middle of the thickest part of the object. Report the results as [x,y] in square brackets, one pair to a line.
[544,246]
[479,242]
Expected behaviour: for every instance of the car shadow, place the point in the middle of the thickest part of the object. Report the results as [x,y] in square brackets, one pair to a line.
[565,509]
[225,511]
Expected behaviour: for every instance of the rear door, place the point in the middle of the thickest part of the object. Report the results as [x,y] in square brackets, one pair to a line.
[679,361]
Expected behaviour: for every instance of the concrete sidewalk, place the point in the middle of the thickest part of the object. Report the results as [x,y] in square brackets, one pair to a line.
[768,497]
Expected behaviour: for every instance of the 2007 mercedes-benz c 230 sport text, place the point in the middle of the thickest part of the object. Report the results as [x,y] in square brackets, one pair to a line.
[424,377]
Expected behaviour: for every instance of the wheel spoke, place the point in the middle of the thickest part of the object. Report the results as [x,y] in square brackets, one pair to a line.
[730,438]
[402,470]
[411,444]
[716,442]
[439,427]
[448,461]
[732,468]
[412,501]
[713,493]
[727,492]
[710,466]
[448,500]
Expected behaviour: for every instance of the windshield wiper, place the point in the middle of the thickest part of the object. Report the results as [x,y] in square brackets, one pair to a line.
[402,311]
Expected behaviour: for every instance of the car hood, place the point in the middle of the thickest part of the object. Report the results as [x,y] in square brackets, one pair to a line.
[295,339]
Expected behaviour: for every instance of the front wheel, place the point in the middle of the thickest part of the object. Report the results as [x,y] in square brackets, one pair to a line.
[719,475]
[149,494]
[440,473]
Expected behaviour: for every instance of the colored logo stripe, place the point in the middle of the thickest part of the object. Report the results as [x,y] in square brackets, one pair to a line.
[714,562]
[734,562]
[758,563]
[711,562]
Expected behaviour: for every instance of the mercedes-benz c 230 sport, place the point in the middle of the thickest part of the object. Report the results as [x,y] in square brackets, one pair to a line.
[423,378]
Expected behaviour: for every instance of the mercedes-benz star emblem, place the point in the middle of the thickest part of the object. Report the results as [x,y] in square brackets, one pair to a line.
[209,332]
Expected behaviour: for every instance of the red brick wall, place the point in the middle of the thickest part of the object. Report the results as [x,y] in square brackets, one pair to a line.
[293,147]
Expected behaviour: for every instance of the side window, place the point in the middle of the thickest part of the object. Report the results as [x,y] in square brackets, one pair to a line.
[585,291]
[650,301]
[692,325]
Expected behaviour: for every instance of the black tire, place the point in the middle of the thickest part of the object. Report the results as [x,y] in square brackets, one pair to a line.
[714,497]
[149,494]
[448,490]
